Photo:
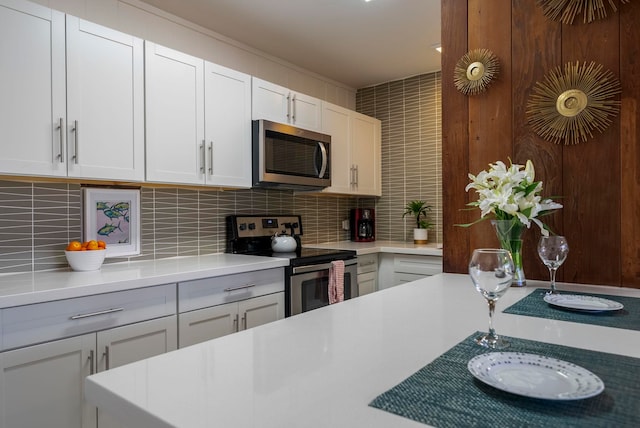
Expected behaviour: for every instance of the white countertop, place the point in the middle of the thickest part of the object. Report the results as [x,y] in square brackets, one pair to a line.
[396,247]
[322,368]
[36,287]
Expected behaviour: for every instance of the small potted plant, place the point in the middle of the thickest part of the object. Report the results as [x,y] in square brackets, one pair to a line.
[419,210]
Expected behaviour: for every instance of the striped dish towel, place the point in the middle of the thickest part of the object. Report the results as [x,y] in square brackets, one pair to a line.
[336,282]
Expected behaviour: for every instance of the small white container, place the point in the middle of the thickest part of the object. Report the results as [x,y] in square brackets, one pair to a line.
[84,261]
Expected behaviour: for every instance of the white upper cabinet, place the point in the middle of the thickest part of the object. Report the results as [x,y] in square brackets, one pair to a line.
[198,120]
[174,94]
[86,123]
[279,104]
[355,151]
[366,154]
[105,102]
[227,122]
[32,88]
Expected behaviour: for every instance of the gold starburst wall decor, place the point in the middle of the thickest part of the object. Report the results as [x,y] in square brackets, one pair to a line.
[475,70]
[566,10]
[568,105]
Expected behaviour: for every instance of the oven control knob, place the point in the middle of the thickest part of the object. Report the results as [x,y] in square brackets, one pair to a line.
[242,226]
[252,226]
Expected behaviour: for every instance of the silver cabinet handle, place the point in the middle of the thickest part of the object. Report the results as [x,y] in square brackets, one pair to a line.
[60,129]
[105,354]
[202,157]
[352,180]
[356,180]
[211,158]
[75,144]
[244,321]
[93,314]
[293,108]
[235,323]
[288,107]
[91,369]
[242,287]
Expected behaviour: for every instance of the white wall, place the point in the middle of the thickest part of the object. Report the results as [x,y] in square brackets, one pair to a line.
[144,21]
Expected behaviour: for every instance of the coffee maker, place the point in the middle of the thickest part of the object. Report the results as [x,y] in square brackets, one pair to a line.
[362,224]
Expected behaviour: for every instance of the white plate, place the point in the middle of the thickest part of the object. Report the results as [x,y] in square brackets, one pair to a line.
[582,302]
[535,376]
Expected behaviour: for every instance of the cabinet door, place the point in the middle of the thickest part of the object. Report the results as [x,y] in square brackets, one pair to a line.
[123,345]
[365,154]
[130,343]
[269,101]
[306,111]
[174,92]
[335,122]
[367,283]
[105,96]
[32,103]
[227,126]
[43,385]
[261,310]
[208,323]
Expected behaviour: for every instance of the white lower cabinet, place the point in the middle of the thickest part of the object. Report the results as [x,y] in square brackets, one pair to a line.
[123,345]
[396,269]
[213,307]
[49,348]
[209,323]
[367,273]
[43,385]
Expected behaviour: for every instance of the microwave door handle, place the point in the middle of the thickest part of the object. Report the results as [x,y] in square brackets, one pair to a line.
[323,168]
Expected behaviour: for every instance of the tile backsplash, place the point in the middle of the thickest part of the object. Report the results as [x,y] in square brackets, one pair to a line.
[411,115]
[39,219]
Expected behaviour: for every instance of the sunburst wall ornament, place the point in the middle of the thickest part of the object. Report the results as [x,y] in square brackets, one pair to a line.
[566,10]
[568,105]
[475,71]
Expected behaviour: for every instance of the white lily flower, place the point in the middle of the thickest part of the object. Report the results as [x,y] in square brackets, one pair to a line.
[502,192]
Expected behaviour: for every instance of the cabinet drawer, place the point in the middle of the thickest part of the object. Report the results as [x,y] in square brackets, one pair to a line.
[418,265]
[42,322]
[202,293]
[367,263]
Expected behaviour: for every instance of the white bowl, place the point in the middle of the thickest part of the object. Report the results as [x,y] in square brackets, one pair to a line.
[84,261]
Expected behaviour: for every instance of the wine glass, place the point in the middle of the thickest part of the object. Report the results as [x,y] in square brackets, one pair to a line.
[553,252]
[491,271]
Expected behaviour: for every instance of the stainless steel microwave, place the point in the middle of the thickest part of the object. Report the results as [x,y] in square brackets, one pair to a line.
[287,157]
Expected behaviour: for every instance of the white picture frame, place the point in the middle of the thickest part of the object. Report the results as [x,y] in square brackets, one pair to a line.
[113,216]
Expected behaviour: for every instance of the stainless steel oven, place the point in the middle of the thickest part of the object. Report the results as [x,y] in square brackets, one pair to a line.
[309,285]
[307,275]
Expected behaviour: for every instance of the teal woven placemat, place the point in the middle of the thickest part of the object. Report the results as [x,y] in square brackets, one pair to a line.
[533,305]
[444,393]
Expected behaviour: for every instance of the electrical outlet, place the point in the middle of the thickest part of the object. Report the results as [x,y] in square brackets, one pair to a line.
[345,224]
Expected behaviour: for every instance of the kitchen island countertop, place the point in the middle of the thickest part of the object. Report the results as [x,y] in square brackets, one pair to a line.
[36,287]
[322,368]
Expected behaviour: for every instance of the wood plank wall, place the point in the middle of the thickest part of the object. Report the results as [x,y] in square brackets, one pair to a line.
[598,180]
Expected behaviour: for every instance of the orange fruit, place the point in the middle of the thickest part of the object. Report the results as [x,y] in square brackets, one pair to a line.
[92,245]
[102,244]
[74,246]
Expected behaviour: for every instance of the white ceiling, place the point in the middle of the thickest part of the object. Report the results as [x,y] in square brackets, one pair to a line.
[354,42]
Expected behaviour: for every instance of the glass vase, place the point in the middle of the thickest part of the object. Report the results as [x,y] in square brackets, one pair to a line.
[509,233]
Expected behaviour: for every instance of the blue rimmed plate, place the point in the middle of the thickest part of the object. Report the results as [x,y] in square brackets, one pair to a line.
[579,302]
[535,376]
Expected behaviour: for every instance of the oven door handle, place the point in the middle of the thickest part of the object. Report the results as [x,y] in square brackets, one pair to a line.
[324,266]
